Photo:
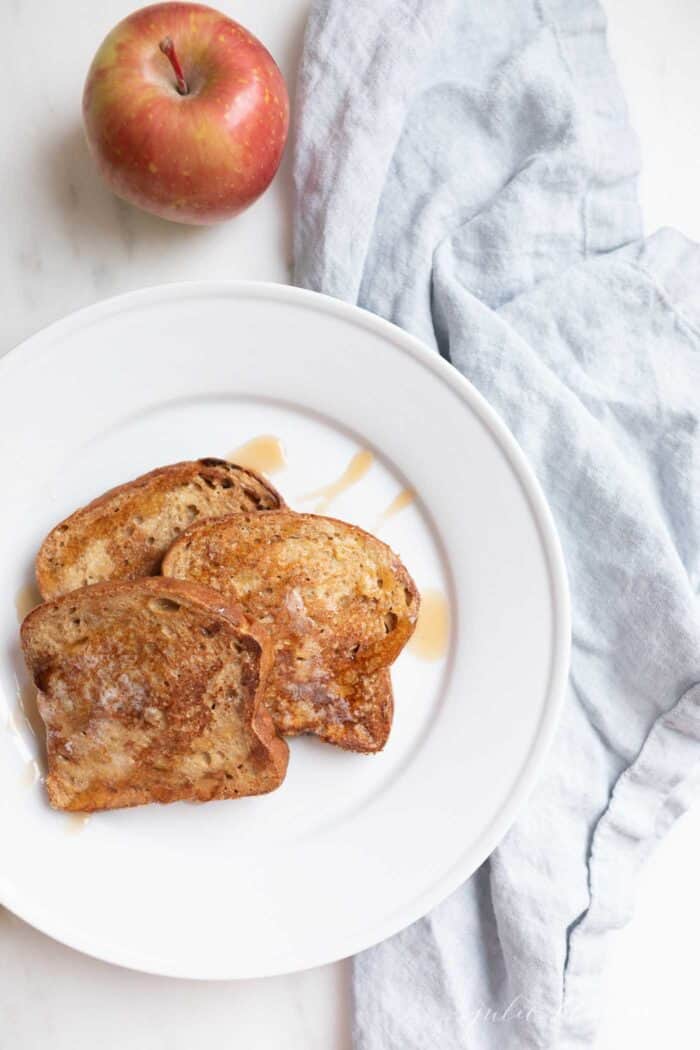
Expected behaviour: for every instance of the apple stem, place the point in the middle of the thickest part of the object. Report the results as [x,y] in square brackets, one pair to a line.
[168,48]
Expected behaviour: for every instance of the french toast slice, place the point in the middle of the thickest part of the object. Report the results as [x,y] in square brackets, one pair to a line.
[124,533]
[151,691]
[352,710]
[339,606]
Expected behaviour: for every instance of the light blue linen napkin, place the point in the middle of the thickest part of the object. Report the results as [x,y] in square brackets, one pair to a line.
[466,169]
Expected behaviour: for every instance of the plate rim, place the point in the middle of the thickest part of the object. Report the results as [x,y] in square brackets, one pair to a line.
[477,851]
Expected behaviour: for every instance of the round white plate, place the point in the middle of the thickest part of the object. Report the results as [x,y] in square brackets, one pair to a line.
[351,848]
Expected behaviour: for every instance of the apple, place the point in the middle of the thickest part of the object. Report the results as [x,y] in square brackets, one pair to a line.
[186,113]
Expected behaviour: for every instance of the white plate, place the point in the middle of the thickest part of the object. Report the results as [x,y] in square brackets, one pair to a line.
[352,848]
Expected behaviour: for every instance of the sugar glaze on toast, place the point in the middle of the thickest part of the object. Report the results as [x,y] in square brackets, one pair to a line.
[151,691]
[339,606]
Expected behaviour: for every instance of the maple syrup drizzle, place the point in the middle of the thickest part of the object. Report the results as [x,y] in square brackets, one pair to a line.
[354,472]
[264,454]
[31,774]
[430,638]
[77,822]
[404,499]
[26,599]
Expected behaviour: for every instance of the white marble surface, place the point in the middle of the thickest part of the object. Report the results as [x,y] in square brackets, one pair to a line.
[67,242]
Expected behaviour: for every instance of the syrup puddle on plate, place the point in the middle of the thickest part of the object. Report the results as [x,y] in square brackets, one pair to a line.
[429,640]
[27,710]
[404,499]
[26,599]
[264,454]
[14,721]
[31,774]
[354,472]
[76,823]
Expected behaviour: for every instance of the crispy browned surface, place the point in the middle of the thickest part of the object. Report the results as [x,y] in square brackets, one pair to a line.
[354,710]
[151,692]
[125,533]
[339,605]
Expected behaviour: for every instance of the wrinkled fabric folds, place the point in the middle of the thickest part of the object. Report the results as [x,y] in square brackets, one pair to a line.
[468,171]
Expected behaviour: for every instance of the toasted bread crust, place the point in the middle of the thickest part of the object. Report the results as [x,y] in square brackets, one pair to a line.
[124,533]
[151,691]
[338,602]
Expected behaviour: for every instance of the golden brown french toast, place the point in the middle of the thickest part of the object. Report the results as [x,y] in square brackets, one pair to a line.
[124,533]
[339,606]
[351,709]
[151,691]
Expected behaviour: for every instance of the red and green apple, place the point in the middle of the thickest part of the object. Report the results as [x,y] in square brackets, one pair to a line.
[186,113]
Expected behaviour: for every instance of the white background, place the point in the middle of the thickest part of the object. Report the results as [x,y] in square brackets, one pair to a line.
[66,242]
